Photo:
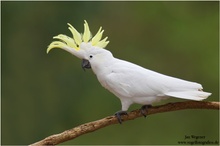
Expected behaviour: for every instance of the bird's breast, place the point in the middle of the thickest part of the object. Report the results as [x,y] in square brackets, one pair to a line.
[102,78]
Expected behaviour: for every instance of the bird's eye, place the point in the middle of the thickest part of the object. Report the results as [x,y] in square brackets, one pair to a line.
[90,56]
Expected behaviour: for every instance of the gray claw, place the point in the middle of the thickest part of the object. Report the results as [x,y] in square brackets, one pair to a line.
[144,109]
[118,115]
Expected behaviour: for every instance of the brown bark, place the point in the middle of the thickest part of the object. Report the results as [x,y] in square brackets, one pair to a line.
[95,125]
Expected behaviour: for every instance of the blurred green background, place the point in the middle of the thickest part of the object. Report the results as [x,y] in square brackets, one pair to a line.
[47,94]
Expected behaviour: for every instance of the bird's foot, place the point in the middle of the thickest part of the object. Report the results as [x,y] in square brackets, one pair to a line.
[118,115]
[144,109]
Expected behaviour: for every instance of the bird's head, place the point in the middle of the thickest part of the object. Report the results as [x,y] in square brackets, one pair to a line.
[83,45]
[96,58]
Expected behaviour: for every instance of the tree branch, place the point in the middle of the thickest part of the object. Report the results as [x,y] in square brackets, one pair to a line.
[110,120]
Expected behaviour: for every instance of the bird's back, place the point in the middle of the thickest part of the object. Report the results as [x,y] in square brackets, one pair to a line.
[128,80]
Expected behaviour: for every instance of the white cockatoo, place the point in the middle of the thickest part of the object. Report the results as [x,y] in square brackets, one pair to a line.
[131,83]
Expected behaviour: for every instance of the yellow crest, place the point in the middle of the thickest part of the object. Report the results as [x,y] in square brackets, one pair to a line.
[77,39]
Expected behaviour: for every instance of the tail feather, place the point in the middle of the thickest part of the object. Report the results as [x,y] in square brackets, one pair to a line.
[190,95]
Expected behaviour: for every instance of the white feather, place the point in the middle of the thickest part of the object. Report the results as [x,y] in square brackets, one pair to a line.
[129,82]
[191,95]
[134,84]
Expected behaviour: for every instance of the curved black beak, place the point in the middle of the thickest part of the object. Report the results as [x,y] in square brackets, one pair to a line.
[85,64]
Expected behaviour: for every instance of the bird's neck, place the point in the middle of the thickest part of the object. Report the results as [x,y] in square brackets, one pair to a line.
[104,67]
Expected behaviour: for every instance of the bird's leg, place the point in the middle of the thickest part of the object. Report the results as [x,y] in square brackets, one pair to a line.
[144,109]
[118,115]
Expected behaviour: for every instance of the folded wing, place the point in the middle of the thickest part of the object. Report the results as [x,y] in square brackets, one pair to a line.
[130,80]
